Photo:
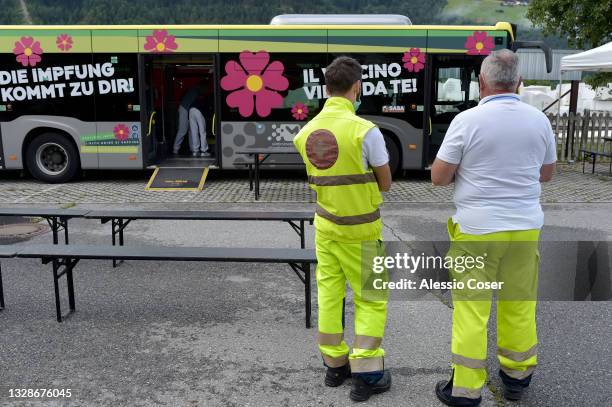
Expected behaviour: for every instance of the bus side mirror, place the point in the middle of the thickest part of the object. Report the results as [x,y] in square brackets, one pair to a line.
[536,44]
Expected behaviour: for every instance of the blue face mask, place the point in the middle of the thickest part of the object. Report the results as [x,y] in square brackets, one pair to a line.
[357,103]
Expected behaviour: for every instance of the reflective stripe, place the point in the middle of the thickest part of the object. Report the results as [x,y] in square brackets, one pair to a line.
[465,392]
[469,362]
[335,180]
[518,356]
[363,365]
[367,342]
[335,362]
[518,374]
[348,220]
[329,339]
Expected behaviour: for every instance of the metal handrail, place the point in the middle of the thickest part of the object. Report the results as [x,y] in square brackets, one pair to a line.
[556,100]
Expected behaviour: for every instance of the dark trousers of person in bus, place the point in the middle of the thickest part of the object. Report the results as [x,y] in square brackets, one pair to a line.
[510,258]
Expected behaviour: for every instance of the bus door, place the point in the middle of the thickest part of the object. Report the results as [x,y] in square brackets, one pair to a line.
[150,115]
[169,78]
[453,88]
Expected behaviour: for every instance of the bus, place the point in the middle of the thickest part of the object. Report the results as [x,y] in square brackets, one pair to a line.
[107,97]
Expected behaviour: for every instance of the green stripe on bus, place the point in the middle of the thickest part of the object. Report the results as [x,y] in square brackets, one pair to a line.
[407,41]
[303,40]
[459,33]
[181,33]
[377,33]
[109,149]
[273,33]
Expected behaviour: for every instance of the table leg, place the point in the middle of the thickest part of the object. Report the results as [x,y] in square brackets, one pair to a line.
[65,222]
[54,228]
[58,307]
[120,232]
[1,290]
[302,235]
[307,295]
[250,177]
[594,156]
[343,312]
[114,237]
[256,161]
[70,283]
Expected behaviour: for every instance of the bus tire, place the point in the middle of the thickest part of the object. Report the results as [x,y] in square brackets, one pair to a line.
[394,153]
[52,158]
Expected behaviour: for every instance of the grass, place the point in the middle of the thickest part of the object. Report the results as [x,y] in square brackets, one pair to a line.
[486,12]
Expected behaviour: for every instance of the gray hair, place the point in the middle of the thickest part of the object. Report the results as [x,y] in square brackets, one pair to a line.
[500,70]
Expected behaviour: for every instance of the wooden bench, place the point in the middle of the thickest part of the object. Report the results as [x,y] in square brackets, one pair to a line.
[120,219]
[56,218]
[65,258]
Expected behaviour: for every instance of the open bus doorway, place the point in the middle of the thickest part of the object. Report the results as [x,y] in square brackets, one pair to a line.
[180,110]
[453,89]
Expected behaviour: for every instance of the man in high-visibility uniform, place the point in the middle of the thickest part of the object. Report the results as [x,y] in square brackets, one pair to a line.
[498,153]
[347,165]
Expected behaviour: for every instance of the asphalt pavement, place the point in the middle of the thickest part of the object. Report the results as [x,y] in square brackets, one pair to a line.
[222,334]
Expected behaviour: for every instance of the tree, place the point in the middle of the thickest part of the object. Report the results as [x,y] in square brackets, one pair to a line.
[585,23]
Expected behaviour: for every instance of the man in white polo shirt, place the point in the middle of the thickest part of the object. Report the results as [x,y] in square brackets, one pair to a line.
[497,154]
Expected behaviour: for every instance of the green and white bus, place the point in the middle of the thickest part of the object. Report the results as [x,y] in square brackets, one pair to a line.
[106,97]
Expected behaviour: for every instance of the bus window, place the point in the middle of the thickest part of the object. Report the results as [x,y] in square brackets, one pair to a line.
[389,90]
[454,89]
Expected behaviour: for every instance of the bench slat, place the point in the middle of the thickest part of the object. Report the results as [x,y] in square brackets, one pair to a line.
[200,215]
[7,251]
[68,213]
[222,254]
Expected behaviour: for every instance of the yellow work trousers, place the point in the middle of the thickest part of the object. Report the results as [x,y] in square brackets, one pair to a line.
[512,258]
[337,263]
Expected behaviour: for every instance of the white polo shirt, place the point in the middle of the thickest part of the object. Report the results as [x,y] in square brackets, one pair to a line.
[374,150]
[500,146]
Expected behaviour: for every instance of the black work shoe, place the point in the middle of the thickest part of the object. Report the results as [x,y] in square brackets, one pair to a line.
[444,390]
[514,388]
[335,376]
[362,391]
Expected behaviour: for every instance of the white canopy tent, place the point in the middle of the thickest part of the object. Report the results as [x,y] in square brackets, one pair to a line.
[595,60]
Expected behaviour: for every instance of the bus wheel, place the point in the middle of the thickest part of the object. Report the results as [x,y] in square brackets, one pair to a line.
[394,153]
[52,158]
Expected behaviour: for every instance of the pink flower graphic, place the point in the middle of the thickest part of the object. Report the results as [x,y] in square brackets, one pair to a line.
[63,42]
[254,83]
[414,60]
[479,43]
[299,111]
[160,42]
[121,132]
[28,51]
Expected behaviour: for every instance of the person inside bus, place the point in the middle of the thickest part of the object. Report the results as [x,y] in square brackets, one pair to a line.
[187,101]
[197,128]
